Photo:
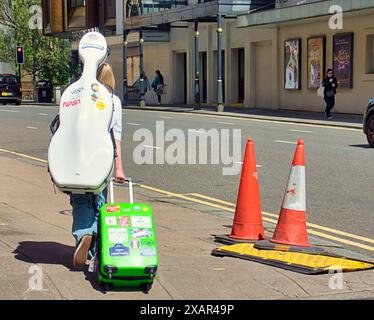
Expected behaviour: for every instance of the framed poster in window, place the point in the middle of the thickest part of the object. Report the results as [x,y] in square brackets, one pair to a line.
[343,59]
[292,64]
[316,61]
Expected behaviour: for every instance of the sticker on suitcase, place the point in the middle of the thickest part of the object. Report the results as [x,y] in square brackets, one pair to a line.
[137,208]
[135,244]
[141,222]
[113,209]
[119,250]
[117,235]
[147,243]
[124,221]
[148,252]
[110,221]
[141,233]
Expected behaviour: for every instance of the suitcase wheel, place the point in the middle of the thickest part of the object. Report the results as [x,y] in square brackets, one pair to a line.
[105,286]
[146,287]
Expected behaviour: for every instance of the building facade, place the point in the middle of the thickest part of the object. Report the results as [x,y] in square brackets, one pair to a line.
[270,56]
[70,18]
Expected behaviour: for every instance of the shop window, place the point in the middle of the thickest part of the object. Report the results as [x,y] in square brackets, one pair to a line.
[370,54]
[47,15]
[133,72]
[75,5]
[110,9]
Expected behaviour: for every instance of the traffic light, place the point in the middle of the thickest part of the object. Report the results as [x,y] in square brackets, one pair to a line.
[19,55]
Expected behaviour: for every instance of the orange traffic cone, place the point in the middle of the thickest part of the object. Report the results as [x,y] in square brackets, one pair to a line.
[291,227]
[248,220]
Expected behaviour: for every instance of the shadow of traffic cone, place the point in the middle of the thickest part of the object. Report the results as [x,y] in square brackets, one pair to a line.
[291,227]
[247,224]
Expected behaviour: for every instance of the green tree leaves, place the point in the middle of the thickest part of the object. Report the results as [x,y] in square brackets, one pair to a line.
[46,58]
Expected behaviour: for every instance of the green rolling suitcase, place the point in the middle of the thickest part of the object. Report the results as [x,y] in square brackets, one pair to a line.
[127,250]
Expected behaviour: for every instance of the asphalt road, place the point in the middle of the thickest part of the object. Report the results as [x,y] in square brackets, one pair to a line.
[339,163]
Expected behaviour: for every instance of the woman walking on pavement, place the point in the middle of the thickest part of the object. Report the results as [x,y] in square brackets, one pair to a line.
[86,207]
[158,85]
[146,86]
[330,84]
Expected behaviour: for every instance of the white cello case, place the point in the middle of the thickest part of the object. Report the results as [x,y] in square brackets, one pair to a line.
[81,152]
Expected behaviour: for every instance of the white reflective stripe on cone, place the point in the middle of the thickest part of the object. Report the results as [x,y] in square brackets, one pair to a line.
[294,198]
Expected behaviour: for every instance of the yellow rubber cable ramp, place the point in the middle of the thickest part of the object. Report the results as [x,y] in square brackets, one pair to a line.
[294,261]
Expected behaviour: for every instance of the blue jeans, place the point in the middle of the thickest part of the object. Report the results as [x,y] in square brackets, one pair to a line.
[86,210]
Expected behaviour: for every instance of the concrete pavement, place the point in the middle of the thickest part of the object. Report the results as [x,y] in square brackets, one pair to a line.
[353,121]
[35,228]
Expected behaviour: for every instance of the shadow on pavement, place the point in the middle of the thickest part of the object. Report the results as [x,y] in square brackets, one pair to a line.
[59,254]
[362,146]
[45,253]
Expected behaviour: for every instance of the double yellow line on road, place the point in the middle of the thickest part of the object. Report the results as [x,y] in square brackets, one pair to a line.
[230,207]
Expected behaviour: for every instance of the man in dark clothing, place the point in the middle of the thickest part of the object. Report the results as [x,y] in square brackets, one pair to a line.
[330,84]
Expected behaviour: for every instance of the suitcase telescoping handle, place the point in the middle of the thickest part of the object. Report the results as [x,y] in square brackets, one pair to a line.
[111,190]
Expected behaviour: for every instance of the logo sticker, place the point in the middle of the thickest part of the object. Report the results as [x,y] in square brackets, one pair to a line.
[117,235]
[113,209]
[141,222]
[93,36]
[127,210]
[100,105]
[95,87]
[148,252]
[92,46]
[145,209]
[141,233]
[110,221]
[119,250]
[135,244]
[94,97]
[72,103]
[147,243]
[136,208]
[124,221]
[77,92]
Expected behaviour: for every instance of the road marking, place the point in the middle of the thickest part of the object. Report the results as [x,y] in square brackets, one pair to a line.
[32,128]
[312,225]
[133,124]
[239,162]
[23,156]
[36,107]
[11,111]
[282,141]
[43,114]
[197,131]
[228,123]
[232,209]
[302,131]
[327,126]
[166,118]
[151,147]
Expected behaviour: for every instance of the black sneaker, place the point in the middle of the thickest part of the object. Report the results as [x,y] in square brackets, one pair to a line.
[81,252]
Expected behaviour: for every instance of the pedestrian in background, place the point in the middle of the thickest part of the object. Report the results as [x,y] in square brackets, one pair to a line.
[146,85]
[158,85]
[330,85]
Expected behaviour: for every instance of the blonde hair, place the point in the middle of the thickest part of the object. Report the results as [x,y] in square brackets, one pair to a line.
[106,76]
